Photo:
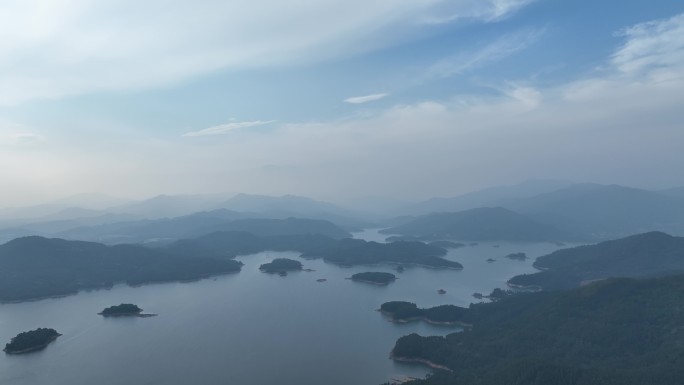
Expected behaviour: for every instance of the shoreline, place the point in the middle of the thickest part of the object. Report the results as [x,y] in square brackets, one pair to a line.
[391,318]
[371,282]
[139,315]
[32,349]
[419,361]
[109,287]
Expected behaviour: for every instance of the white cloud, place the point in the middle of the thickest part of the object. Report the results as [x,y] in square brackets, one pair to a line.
[622,127]
[365,99]
[51,49]
[499,49]
[651,46]
[228,127]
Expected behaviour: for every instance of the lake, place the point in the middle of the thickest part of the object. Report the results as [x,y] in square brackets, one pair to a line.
[249,328]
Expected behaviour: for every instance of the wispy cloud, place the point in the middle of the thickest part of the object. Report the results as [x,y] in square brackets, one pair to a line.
[228,127]
[486,10]
[499,49]
[365,99]
[54,49]
[651,45]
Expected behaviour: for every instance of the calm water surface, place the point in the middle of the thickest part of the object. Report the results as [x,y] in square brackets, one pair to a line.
[248,328]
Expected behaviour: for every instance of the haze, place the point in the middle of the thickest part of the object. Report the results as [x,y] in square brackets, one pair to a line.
[401,99]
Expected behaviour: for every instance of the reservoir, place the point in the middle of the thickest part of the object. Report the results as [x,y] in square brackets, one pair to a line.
[250,327]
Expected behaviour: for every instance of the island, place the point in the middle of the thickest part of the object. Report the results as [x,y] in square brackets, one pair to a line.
[517,256]
[31,341]
[491,260]
[441,291]
[403,312]
[281,266]
[375,278]
[124,310]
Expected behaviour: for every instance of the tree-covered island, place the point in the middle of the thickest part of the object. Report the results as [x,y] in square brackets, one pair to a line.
[31,341]
[281,265]
[375,278]
[124,310]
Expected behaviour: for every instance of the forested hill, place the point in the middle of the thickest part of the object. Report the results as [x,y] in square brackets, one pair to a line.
[35,267]
[618,331]
[643,255]
[227,244]
[482,224]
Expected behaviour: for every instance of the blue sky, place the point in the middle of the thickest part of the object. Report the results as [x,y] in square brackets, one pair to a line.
[327,99]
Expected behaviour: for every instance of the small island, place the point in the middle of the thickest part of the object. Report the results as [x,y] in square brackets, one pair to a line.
[375,278]
[491,260]
[124,310]
[281,266]
[517,256]
[441,291]
[403,312]
[31,341]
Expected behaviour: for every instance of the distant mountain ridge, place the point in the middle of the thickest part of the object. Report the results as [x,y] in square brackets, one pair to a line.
[481,224]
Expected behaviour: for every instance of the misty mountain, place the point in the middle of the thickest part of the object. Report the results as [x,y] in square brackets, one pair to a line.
[489,197]
[602,212]
[643,255]
[481,224]
[296,206]
[36,267]
[674,192]
[167,206]
[198,224]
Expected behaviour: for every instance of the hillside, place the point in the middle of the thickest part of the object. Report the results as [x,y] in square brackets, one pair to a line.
[198,224]
[604,212]
[36,267]
[643,255]
[482,224]
[620,331]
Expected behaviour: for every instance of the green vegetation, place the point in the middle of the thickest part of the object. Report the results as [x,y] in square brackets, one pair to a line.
[374,278]
[31,341]
[280,265]
[483,224]
[350,252]
[123,309]
[400,311]
[36,267]
[644,255]
[517,256]
[617,331]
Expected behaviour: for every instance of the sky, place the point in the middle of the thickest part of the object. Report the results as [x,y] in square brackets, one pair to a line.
[336,100]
